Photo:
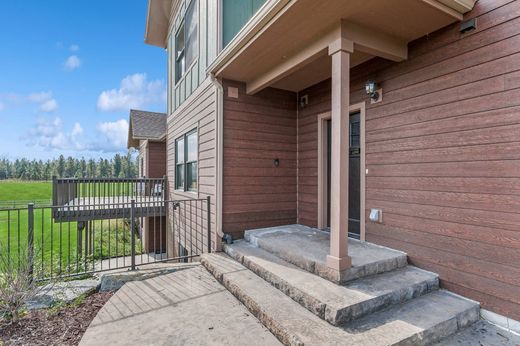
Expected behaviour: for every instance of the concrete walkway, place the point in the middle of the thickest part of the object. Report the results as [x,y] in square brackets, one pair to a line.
[186,307]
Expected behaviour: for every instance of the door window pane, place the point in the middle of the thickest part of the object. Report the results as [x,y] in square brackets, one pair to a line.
[354,134]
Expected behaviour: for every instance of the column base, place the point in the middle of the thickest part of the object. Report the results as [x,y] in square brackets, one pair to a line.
[339,263]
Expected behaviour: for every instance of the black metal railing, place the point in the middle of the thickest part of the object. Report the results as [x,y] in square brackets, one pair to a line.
[142,232]
[88,191]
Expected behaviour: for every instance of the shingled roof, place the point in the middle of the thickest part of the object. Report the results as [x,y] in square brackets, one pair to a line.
[145,125]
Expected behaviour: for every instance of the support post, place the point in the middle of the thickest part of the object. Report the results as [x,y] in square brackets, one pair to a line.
[132,233]
[30,240]
[209,222]
[340,50]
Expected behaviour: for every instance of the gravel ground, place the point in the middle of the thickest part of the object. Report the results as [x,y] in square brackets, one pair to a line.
[58,326]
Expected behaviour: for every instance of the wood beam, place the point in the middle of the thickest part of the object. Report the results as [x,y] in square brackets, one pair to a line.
[290,64]
[375,42]
[364,39]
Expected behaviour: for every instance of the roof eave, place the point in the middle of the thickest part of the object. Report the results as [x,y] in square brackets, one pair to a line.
[157,22]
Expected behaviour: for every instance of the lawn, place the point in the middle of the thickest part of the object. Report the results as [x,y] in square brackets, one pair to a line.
[20,193]
[110,238]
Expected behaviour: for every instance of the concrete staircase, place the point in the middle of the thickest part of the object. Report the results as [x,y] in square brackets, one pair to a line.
[279,274]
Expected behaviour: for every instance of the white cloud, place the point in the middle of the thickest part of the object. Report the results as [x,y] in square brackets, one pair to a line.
[72,63]
[45,100]
[135,91]
[49,106]
[50,134]
[40,96]
[114,135]
[74,47]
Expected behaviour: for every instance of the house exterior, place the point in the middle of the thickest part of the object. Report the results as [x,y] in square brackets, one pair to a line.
[147,134]
[395,122]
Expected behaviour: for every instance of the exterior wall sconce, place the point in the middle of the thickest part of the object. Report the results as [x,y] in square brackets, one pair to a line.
[376,95]
[276,162]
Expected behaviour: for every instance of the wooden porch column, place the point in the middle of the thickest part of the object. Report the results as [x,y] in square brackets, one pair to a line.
[339,51]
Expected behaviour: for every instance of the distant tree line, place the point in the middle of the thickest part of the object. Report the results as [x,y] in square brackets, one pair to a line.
[120,166]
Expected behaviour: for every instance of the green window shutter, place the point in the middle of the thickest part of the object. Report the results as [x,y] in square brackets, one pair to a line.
[236,13]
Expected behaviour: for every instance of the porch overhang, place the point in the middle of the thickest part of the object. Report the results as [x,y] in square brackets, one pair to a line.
[286,43]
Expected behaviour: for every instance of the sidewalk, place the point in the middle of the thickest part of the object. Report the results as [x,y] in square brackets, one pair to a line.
[186,307]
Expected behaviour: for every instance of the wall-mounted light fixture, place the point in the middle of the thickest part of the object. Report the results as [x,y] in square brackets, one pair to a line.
[372,90]
[276,162]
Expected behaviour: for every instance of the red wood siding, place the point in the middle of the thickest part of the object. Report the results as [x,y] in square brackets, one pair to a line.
[443,155]
[257,130]
[156,159]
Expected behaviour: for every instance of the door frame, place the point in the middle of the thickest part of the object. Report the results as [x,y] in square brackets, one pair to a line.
[322,167]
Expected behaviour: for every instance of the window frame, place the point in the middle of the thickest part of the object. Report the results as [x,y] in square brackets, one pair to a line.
[186,162]
[183,26]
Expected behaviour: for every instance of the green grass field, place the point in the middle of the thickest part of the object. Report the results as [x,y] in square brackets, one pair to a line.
[25,190]
[110,238]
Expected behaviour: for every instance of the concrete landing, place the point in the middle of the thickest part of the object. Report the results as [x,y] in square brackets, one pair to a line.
[186,307]
[308,248]
[420,321]
[332,302]
[482,333]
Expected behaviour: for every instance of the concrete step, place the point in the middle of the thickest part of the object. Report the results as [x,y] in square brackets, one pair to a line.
[332,302]
[308,248]
[420,321]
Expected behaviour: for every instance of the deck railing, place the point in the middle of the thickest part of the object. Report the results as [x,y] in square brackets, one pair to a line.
[89,191]
[142,233]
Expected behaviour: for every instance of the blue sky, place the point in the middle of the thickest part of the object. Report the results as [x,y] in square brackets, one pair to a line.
[69,72]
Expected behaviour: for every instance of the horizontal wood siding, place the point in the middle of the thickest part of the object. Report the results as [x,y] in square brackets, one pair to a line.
[198,112]
[156,159]
[257,130]
[442,154]
[319,102]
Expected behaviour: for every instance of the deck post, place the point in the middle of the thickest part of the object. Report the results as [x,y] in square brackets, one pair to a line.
[30,240]
[340,50]
[209,222]
[132,233]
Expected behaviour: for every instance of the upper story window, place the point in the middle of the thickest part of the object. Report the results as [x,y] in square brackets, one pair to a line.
[235,14]
[186,162]
[187,40]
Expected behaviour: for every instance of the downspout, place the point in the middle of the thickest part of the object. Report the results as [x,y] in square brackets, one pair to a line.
[220,148]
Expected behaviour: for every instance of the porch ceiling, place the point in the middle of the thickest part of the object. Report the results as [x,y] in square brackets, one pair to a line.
[297,34]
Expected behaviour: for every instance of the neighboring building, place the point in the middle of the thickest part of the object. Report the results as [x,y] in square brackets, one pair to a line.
[268,109]
[147,133]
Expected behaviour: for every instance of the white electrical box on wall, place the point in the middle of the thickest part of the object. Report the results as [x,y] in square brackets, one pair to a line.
[376,215]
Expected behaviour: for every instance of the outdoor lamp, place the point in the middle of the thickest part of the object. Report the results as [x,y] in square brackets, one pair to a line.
[370,88]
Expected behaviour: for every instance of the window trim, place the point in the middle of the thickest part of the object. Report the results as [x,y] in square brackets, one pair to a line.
[185,163]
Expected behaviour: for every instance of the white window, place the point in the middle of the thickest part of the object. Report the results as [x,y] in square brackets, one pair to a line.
[186,162]
[187,41]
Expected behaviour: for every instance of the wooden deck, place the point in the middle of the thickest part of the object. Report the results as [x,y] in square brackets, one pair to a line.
[103,208]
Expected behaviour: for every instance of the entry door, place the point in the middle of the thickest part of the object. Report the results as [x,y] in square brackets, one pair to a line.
[354,183]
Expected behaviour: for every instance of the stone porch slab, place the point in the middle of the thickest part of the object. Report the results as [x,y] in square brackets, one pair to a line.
[308,248]
[420,321]
[332,302]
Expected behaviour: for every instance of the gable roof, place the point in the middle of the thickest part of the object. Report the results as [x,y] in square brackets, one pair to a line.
[145,125]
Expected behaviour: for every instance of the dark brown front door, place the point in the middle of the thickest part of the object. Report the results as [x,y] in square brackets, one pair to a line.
[354,199]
